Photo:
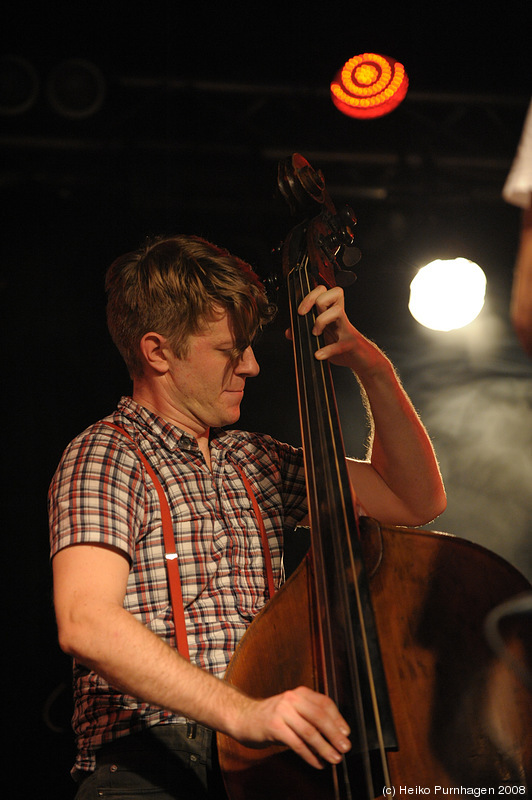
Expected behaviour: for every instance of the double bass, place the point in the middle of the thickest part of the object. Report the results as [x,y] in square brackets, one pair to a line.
[387,621]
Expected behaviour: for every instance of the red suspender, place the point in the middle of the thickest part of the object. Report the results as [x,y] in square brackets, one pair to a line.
[263,534]
[172,568]
[170,554]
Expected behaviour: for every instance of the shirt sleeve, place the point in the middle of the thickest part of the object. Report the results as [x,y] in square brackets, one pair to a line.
[518,186]
[97,495]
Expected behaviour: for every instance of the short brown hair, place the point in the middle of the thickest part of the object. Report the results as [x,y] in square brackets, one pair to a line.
[172,286]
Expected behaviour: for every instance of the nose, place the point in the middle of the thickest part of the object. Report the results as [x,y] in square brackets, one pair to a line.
[247,364]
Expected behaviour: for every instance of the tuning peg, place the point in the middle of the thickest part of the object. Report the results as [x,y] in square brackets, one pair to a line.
[348,222]
[350,256]
[344,278]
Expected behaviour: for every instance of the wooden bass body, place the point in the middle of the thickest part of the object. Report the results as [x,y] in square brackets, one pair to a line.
[463,719]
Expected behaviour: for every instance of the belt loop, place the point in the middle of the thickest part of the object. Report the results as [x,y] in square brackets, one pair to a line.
[191,729]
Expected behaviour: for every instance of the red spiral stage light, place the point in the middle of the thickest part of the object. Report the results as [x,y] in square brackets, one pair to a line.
[369,85]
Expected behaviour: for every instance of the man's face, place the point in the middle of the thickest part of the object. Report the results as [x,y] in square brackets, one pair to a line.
[207,384]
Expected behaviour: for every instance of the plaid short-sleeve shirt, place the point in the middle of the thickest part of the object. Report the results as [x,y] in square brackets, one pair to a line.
[102,494]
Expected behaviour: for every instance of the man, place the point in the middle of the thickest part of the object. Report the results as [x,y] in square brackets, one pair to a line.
[184,313]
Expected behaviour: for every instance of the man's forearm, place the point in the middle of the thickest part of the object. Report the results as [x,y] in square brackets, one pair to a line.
[400,450]
[134,660]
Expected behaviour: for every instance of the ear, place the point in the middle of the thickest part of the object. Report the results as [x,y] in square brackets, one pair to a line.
[154,351]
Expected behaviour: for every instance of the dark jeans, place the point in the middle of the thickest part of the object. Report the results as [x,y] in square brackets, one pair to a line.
[166,762]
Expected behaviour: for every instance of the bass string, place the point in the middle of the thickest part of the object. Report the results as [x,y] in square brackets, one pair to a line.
[308,379]
[314,381]
[307,366]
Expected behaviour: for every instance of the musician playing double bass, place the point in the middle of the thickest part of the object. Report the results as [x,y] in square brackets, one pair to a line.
[184,314]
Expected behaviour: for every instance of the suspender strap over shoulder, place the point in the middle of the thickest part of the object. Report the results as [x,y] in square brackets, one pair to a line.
[170,554]
[262,529]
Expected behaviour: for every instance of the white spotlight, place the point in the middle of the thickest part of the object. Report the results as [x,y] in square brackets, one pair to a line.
[445,295]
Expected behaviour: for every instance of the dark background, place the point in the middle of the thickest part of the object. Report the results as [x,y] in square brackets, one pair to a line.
[196,106]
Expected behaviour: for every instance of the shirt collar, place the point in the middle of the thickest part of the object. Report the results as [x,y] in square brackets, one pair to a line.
[154,426]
